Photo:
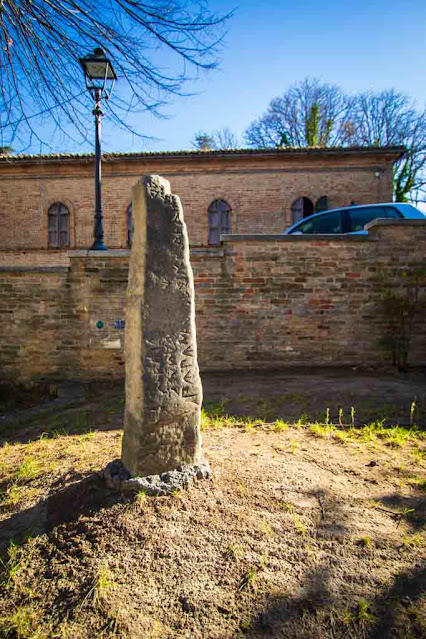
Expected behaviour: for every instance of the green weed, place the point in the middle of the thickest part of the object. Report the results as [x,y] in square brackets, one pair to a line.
[87,436]
[294,446]
[413,408]
[365,542]
[407,513]
[342,436]
[418,454]
[266,528]
[22,624]
[216,408]
[321,430]
[248,579]
[102,584]
[18,558]
[302,421]
[279,425]
[414,541]
[242,488]
[418,483]
[16,494]
[346,617]
[28,469]
[141,498]
[394,436]
[301,528]
[233,551]
[364,616]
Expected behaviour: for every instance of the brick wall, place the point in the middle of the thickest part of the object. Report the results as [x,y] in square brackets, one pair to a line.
[37,328]
[299,300]
[260,190]
[271,301]
[34,258]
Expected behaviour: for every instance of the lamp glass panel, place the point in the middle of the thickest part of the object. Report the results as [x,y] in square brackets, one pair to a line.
[96,70]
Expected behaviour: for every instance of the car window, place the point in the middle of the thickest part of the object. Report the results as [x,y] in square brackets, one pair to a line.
[358,218]
[327,223]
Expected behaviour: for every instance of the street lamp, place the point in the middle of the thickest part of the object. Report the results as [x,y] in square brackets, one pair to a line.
[100,77]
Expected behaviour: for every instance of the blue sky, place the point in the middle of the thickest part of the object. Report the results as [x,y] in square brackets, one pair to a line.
[373,44]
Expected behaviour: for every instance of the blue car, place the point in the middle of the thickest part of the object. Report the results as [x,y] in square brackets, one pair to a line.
[352,219]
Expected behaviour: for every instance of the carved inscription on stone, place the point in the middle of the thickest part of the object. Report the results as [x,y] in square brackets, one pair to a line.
[163,386]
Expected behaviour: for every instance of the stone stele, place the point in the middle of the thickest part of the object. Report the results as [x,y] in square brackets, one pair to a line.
[163,386]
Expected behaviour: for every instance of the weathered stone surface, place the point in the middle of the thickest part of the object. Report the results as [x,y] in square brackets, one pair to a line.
[163,386]
[118,477]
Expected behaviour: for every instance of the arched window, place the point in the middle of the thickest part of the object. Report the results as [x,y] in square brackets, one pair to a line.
[219,213]
[58,225]
[302,207]
[322,204]
[130,225]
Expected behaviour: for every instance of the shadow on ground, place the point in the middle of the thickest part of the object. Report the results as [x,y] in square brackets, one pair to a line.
[286,395]
[307,394]
[315,612]
[77,409]
[82,498]
[412,508]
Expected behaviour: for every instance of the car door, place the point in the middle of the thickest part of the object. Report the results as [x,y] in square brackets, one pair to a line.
[358,218]
[330,222]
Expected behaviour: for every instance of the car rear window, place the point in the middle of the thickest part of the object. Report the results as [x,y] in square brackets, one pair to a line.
[327,223]
[358,218]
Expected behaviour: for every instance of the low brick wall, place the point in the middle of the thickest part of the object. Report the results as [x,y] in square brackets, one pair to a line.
[37,327]
[261,302]
[34,258]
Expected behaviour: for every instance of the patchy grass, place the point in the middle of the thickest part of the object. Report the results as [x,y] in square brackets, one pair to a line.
[301,528]
[414,541]
[297,535]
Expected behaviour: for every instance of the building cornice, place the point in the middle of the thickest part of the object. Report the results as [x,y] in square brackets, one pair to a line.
[392,153]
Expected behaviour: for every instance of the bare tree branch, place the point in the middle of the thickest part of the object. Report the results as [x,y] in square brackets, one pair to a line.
[41,41]
[285,121]
[391,118]
[315,114]
[218,140]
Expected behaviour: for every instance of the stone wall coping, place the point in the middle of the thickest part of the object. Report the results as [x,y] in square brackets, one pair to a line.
[279,237]
[393,222]
[97,254]
[202,250]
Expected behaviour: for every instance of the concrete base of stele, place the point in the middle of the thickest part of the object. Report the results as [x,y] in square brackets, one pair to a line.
[118,477]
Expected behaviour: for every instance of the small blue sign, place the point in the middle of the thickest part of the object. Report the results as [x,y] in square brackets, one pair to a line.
[120,325]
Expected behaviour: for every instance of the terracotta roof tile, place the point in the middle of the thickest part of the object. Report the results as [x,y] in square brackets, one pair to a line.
[55,157]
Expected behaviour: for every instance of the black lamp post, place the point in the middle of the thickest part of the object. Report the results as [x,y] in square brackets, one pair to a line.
[100,77]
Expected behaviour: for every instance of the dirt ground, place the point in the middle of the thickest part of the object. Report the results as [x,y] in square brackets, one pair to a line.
[312,526]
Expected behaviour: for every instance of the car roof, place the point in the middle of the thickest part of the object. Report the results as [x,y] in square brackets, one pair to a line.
[404,207]
[408,210]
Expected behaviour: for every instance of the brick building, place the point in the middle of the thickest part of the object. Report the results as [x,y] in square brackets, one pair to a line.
[47,201]
[263,299]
